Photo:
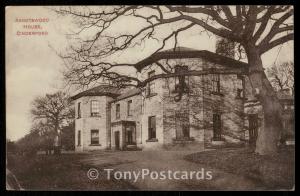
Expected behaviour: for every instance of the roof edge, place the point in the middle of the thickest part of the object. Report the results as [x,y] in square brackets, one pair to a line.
[214,57]
[79,95]
[116,100]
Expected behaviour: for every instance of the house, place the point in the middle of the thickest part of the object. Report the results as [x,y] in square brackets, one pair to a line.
[287,101]
[180,112]
[254,116]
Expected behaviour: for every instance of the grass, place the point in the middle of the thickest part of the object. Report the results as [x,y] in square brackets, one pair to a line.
[63,172]
[69,171]
[274,171]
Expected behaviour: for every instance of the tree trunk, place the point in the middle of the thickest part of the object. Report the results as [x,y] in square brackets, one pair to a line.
[268,137]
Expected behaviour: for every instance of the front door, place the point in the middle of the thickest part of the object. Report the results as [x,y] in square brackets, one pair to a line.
[130,134]
[253,127]
[117,140]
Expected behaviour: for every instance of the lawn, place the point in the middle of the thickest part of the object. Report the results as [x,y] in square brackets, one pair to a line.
[69,171]
[274,172]
[64,172]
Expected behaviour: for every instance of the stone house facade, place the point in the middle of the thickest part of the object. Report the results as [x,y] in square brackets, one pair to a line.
[92,117]
[179,112]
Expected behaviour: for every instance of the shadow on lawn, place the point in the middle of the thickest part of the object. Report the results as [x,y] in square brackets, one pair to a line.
[274,172]
[64,172]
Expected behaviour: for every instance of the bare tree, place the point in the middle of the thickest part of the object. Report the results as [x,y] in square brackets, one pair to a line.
[282,76]
[257,29]
[51,112]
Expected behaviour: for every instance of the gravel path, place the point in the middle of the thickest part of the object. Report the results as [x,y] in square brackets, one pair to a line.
[158,161]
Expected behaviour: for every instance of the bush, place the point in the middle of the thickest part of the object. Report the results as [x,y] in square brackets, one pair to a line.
[30,144]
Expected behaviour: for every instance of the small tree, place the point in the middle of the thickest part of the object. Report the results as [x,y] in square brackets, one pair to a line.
[29,144]
[282,76]
[52,110]
[50,113]
[11,146]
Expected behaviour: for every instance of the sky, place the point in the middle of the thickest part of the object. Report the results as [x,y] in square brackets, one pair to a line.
[33,68]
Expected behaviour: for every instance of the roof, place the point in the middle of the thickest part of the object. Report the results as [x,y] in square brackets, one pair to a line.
[182,52]
[129,93]
[178,49]
[179,52]
[101,90]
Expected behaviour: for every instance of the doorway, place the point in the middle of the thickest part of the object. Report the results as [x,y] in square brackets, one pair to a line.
[117,140]
[253,129]
[130,135]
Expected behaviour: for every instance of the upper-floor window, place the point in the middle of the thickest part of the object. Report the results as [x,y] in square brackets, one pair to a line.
[117,111]
[129,108]
[95,109]
[216,83]
[151,85]
[181,82]
[240,87]
[79,110]
[94,137]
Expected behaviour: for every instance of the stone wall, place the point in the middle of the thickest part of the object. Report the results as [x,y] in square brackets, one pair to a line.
[86,123]
[153,106]
[199,103]
[136,116]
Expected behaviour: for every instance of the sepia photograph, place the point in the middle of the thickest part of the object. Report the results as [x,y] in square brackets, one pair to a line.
[150,97]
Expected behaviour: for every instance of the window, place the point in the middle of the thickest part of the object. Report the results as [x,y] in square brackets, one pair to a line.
[206,80]
[94,137]
[253,128]
[129,112]
[79,110]
[240,87]
[151,85]
[79,138]
[117,111]
[216,83]
[152,127]
[181,81]
[217,127]
[95,110]
[240,93]
[182,125]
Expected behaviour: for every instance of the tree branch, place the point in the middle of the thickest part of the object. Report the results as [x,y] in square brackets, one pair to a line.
[275,29]
[281,40]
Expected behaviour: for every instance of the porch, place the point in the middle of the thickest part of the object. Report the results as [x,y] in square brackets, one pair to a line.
[124,135]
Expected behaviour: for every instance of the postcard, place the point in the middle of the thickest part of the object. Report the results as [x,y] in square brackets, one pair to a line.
[150,97]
